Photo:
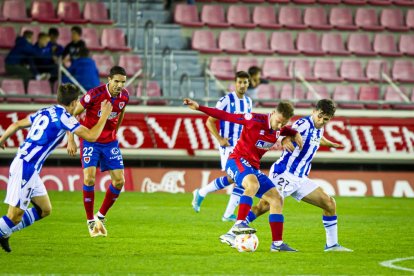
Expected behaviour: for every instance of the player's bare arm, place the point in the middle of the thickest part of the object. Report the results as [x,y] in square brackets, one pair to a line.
[212,127]
[287,144]
[328,143]
[24,123]
[191,104]
[92,134]
[72,148]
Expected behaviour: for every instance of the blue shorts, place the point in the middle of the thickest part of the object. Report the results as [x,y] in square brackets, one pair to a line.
[238,169]
[108,155]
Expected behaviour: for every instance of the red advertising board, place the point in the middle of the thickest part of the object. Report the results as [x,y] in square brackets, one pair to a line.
[172,180]
[188,131]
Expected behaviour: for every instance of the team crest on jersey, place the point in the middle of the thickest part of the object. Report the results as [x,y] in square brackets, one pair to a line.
[86,160]
[87,98]
[114,151]
[121,105]
[248,116]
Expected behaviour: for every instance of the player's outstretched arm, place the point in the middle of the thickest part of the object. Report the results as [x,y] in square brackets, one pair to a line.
[326,142]
[92,134]
[12,130]
[191,104]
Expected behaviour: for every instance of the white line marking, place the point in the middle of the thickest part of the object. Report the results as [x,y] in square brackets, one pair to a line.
[390,264]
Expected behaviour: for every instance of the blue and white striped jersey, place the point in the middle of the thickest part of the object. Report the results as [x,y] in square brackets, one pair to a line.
[299,161]
[232,104]
[49,126]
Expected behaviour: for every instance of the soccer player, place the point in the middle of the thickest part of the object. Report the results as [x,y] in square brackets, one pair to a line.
[47,129]
[290,173]
[234,102]
[105,151]
[259,134]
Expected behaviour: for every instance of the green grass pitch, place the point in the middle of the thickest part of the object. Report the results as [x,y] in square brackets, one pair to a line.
[160,234]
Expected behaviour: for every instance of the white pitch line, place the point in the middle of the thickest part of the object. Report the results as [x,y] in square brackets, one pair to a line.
[390,264]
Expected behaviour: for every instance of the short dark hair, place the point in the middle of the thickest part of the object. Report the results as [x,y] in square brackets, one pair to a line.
[83,52]
[253,70]
[67,93]
[117,70]
[242,75]
[77,30]
[326,106]
[41,35]
[53,32]
[286,109]
[27,34]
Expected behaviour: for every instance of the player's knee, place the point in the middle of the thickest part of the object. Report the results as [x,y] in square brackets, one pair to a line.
[118,183]
[330,205]
[263,207]
[89,180]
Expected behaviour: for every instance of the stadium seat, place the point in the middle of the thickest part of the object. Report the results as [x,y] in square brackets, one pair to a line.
[332,44]
[375,68]
[256,43]
[393,96]
[404,3]
[282,43]
[409,18]
[239,17]
[354,2]
[329,2]
[204,42]
[403,71]
[278,1]
[222,68]
[303,67]
[315,18]
[253,1]
[91,38]
[380,2]
[265,17]
[213,16]
[341,19]
[325,70]
[393,20]
[244,63]
[275,69]
[226,1]
[153,90]
[111,35]
[304,2]
[14,88]
[346,97]
[291,18]
[369,93]
[69,12]
[43,12]
[2,19]
[309,44]
[96,13]
[384,45]
[230,42]
[267,92]
[289,93]
[187,15]
[65,35]
[322,92]
[367,19]
[40,88]
[406,44]
[132,63]
[15,11]
[2,65]
[351,70]
[104,63]
[360,45]
[34,28]
[7,37]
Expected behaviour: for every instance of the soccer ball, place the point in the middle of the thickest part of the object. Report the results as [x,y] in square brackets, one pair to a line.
[246,242]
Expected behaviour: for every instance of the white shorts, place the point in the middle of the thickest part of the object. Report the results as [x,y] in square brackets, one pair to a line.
[24,183]
[288,184]
[224,155]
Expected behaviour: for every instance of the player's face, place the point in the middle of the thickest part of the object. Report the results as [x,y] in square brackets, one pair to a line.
[255,79]
[320,119]
[116,83]
[241,85]
[277,121]
[72,106]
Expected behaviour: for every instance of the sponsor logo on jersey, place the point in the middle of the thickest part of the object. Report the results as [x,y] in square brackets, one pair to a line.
[121,105]
[114,151]
[86,160]
[248,116]
[111,116]
[264,145]
[87,98]
[262,132]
